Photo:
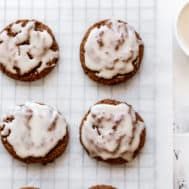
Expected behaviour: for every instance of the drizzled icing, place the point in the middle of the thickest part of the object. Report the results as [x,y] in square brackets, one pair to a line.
[112,131]
[33,129]
[27,49]
[112,49]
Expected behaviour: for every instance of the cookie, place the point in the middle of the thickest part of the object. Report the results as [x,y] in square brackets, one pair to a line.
[111,52]
[102,187]
[111,131]
[34,133]
[28,50]
[29,187]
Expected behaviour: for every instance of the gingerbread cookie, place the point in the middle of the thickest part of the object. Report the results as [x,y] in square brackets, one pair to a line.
[102,187]
[111,52]
[112,131]
[28,50]
[34,133]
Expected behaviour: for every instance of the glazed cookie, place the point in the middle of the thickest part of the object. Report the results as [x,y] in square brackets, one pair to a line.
[34,133]
[112,131]
[111,52]
[28,50]
[102,187]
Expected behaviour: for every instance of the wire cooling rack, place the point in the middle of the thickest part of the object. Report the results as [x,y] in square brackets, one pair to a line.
[68,88]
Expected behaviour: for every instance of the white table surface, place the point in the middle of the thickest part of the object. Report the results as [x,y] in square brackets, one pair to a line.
[181,110]
[180,84]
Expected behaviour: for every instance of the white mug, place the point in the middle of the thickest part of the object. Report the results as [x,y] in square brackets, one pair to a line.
[182,27]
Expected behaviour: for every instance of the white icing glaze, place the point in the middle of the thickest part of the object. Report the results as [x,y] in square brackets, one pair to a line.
[35,129]
[102,53]
[14,53]
[102,139]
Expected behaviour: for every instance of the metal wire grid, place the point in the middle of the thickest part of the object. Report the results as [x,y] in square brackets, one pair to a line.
[72,92]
